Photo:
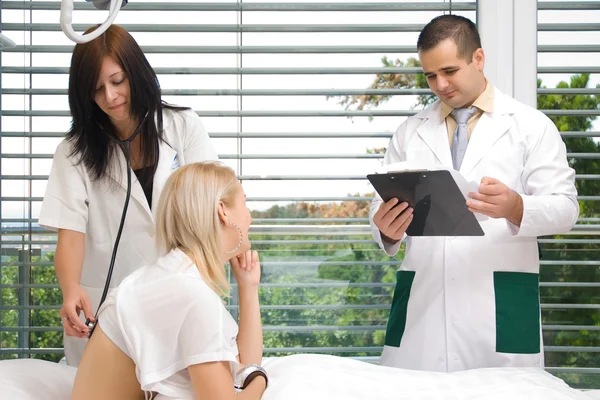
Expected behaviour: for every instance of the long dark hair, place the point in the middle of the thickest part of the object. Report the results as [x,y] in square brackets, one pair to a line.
[90,125]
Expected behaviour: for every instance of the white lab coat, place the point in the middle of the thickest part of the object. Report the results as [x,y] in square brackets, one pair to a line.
[473,302]
[72,201]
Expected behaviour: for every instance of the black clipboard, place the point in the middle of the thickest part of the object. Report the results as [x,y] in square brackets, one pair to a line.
[439,206]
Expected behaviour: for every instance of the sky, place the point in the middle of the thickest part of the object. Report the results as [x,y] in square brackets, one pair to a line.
[312,167]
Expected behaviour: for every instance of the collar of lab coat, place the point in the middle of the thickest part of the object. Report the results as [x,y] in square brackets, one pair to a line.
[491,127]
[167,161]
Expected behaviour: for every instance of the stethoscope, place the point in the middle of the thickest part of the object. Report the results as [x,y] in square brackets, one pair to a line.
[66,18]
[127,150]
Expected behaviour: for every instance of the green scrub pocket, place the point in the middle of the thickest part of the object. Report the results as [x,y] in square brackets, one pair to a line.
[397,320]
[517,312]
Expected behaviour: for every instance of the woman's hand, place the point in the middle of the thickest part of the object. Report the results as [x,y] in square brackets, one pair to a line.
[246,268]
[75,300]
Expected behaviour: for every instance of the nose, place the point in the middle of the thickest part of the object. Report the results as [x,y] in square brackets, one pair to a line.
[110,93]
[442,83]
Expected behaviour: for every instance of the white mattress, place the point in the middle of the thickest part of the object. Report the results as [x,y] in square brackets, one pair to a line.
[321,377]
[593,394]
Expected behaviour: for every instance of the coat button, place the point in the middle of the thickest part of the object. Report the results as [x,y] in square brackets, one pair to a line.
[441,360]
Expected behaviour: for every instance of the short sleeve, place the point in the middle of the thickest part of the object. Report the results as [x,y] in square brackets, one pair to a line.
[173,324]
[65,204]
[197,146]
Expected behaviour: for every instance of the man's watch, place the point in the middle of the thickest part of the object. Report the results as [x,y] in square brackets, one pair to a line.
[247,375]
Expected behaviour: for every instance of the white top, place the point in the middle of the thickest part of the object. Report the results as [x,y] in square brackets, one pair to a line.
[166,318]
[72,201]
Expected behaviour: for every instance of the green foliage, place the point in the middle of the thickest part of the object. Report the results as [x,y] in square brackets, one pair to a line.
[37,318]
[574,251]
[583,166]
[320,287]
[390,81]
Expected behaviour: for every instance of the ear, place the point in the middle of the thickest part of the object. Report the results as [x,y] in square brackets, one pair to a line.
[222,213]
[479,59]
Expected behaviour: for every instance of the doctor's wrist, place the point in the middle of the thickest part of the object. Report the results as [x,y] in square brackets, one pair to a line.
[516,217]
[387,239]
[69,287]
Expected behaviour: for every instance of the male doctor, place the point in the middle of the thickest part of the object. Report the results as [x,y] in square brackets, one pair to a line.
[473,302]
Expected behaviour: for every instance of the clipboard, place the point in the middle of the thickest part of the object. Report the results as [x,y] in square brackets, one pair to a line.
[439,207]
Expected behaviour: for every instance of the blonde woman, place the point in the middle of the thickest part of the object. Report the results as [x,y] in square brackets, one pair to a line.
[164,333]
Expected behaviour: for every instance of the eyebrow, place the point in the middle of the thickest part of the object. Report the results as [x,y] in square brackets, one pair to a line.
[116,73]
[441,69]
[445,69]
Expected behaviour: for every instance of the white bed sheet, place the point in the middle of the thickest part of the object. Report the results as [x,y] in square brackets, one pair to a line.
[321,377]
[593,394]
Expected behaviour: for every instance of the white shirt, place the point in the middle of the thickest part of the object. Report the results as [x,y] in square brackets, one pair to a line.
[73,201]
[166,318]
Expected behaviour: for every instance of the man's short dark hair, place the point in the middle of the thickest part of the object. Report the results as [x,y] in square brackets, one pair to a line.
[460,29]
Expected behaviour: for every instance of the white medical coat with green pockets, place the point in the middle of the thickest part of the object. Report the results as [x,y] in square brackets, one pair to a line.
[473,302]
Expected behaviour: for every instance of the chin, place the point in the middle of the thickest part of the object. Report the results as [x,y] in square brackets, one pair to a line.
[455,102]
[119,116]
[244,247]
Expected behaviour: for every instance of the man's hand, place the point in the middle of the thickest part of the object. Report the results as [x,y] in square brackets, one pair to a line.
[393,220]
[497,200]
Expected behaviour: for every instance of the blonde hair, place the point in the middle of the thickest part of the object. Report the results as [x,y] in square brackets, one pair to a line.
[187,217]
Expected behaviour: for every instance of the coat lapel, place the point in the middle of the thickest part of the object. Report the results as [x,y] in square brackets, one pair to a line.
[435,134]
[167,163]
[489,128]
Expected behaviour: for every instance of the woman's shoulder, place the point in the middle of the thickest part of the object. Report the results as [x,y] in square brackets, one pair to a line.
[184,274]
[156,292]
[179,122]
[65,157]
[180,114]
[64,149]
[173,272]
